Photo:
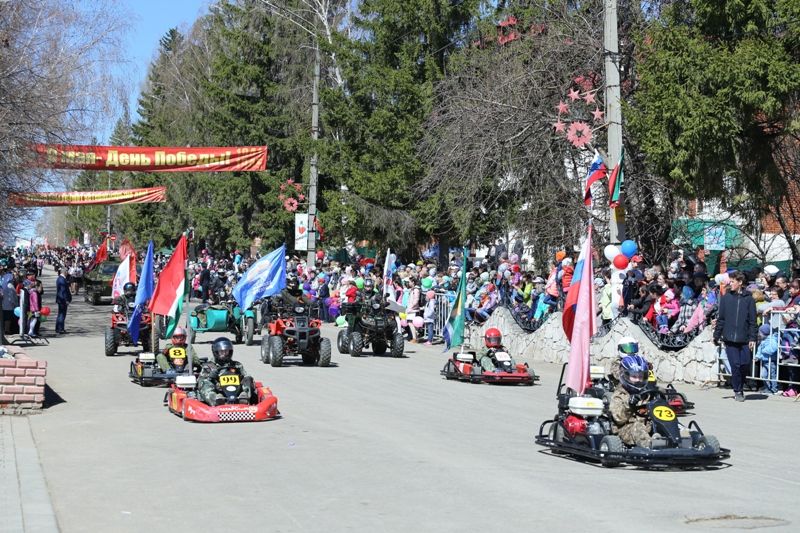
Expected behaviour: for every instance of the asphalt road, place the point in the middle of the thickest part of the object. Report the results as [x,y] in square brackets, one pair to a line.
[378,445]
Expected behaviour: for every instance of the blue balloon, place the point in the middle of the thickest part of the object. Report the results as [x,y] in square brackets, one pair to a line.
[17,312]
[629,248]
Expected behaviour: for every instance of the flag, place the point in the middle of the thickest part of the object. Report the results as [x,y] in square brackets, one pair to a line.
[171,288]
[143,293]
[267,277]
[597,171]
[122,277]
[100,256]
[578,319]
[126,249]
[615,181]
[453,332]
[388,270]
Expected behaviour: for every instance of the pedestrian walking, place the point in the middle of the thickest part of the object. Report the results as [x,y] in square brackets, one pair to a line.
[63,299]
[736,326]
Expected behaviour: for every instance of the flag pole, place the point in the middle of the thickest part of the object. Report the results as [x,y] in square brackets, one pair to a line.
[187,284]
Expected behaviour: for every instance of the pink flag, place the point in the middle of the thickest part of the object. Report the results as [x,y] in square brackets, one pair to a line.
[583,323]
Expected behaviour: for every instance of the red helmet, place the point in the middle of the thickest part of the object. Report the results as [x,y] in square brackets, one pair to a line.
[493,338]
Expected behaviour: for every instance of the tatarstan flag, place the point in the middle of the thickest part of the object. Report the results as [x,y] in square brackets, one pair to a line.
[615,181]
[171,288]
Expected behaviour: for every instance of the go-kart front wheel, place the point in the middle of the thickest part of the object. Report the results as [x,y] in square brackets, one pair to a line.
[708,442]
[275,351]
[611,444]
[324,352]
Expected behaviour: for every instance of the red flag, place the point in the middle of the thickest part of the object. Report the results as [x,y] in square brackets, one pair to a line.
[578,318]
[100,256]
[126,250]
[318,226]
[171,283]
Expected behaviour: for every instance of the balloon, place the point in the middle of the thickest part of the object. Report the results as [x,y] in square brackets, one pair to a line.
[404,323]
[515,268]
[17,312]
[427,283]
[402,316]
[341,321]
[418,322]
[621,262]
[629,248]
[610,252]
[430,295]
[392,259]
[45,311]
[561,254]
[320,255]
[360,283]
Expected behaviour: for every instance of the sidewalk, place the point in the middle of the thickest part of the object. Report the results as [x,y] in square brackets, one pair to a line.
[24,500]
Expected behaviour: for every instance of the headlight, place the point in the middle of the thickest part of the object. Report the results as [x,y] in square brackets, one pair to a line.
[376,306]
[299,310]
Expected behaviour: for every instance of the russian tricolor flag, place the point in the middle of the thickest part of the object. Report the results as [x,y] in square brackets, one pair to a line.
[578,318]
[597,171]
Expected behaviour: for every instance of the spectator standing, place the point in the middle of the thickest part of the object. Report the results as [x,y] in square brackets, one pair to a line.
[63,299]
[736,326]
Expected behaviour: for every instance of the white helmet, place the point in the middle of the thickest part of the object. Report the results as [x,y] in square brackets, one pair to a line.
[627,346]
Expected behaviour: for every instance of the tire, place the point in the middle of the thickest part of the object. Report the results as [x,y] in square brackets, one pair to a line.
[110,342]
[275,351]
[265,349]
[324,352]
[708,441]
[379,347]
[613,444]
[94,299]
[249,330]
[343,342]
[356,344]
[556,434]
[398,345]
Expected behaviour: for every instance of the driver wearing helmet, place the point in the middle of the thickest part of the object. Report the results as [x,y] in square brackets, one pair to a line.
[627,400]
[292,294]
[493,343]
[208,382]
[128,295]
[625,346]
[178,340]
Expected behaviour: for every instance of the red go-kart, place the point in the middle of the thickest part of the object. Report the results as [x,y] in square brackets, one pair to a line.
[182,401]
[464,366]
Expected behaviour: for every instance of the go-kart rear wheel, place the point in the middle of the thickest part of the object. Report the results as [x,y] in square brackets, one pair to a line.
[275,351]
[249,330]
[611,444]
[265,349]
[398,345]
[356,344]
[111,342]
[379,347]
[324,352]
[708,441]
[556,434]
[343,342]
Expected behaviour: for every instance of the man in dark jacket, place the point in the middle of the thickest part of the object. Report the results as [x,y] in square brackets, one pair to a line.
[736,325]
[63,299]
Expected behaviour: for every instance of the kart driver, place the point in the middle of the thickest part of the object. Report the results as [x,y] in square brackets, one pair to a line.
[128,295]
[493,341]
[178,340]
[625,346]
[208,382]
[626,402]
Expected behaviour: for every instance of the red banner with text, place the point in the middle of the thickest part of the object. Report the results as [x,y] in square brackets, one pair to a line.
[152,159]
[125,196]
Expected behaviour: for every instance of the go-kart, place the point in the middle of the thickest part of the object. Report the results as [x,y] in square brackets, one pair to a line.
[371,323]
[603,385]
[145,370]
[117,335]
[222,317]
[294,332]
[465,366]
[182,400]
[583,428]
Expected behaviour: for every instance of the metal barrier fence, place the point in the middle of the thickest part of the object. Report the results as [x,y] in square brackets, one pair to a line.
[443,307]
[785,369]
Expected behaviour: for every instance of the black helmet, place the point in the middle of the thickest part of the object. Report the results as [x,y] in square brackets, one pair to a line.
[291,282]
[222,349]
[129,289]
[369,285]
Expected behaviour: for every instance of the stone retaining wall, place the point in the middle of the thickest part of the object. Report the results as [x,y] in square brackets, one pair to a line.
[696,363]
[22,381]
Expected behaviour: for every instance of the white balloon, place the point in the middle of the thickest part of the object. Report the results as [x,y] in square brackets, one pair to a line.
[610,252]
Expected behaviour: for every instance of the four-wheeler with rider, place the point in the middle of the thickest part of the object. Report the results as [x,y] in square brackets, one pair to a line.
[118,335]
[294,330]
[371,323]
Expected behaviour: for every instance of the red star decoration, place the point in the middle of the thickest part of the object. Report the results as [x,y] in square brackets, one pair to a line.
[573,95]
[562,108]
[597,114]
[559,126]
[589,98]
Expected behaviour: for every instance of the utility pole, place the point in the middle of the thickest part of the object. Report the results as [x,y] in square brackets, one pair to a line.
[616,223]
[312,181]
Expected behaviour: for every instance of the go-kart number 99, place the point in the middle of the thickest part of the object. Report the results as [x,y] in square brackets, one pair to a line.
[664,413]
[177,353]
[229,379]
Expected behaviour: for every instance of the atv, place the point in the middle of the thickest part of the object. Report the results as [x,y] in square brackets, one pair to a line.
[371,323]
[583,428]
[117,335]
[294,332]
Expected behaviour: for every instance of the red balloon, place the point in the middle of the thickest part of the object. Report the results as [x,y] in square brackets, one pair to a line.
[45,311]
[621,262]
[320,255]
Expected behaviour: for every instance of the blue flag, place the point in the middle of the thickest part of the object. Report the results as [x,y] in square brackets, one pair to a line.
[143,293]
[266,277]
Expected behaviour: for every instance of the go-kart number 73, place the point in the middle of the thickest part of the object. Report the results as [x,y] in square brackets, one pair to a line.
[229,379]
[664,413]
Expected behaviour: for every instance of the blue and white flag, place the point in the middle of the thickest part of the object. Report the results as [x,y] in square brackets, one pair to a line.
[267,277]
[143,293]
